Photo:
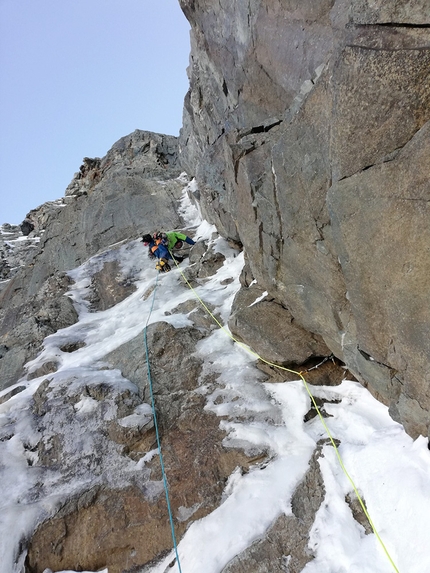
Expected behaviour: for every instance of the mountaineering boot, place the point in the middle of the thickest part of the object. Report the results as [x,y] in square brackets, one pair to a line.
[162,266]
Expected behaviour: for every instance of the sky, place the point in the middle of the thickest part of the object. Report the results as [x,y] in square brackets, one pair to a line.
[389,469]
[76,76]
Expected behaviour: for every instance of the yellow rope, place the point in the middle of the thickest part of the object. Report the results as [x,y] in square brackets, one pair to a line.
[250,351]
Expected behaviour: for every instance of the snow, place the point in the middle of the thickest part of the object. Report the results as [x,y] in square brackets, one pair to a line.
[142,415]
[260,298]
[390,470]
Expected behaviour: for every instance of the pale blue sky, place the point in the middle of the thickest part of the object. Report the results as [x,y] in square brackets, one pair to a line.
[75,76]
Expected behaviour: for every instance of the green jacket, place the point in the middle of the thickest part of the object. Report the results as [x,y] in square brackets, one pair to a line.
[173,238]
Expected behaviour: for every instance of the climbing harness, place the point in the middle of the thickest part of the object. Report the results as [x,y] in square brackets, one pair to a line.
[250,351]
[166,488]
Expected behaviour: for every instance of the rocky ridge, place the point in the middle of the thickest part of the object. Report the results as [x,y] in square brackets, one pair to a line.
[136,184]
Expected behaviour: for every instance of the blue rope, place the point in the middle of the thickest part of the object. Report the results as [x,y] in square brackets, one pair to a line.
[166,489]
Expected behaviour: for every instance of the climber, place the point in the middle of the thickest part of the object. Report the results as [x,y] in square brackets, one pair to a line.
[158,251]
[161,246]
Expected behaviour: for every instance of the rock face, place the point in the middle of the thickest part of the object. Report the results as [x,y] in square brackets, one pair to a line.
[108,201]
[307,127]
[120,517]
[25,323]
[256,325]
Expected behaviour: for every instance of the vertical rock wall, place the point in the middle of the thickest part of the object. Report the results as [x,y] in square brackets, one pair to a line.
[306,125]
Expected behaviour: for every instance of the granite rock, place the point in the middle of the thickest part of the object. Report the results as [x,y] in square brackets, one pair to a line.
[302,126]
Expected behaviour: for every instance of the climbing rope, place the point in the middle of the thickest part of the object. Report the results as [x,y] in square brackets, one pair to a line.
[157,433]
[250,351]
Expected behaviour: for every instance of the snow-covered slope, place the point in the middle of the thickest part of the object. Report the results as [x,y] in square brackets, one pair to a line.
[390,470]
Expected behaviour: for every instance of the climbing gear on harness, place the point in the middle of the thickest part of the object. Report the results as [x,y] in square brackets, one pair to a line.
[163,266]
